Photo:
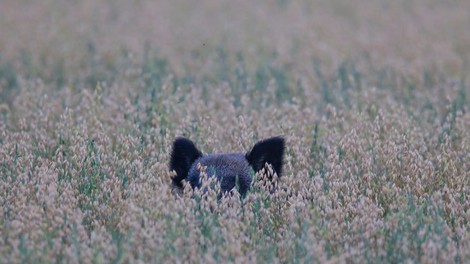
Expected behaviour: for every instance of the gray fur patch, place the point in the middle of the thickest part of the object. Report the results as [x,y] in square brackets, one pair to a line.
[228,168]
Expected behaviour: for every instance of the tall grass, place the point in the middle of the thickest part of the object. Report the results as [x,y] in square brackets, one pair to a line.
[376,121]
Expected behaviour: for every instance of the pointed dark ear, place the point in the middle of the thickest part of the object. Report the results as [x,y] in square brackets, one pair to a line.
[183,155]
[270,151]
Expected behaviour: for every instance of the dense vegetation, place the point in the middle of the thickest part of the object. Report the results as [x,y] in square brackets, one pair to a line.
[373,99]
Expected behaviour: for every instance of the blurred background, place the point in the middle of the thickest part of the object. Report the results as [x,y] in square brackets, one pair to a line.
[64,42]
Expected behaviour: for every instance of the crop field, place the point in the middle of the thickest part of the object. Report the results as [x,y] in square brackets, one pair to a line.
[371,96]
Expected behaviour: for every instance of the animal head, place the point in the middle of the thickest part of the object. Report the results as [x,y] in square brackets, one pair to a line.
[230,169]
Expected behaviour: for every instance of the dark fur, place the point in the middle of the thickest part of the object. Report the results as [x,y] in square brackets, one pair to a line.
[267,151]
[230,169]
[183,156]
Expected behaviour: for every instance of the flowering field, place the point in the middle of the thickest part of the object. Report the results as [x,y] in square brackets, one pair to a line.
[372,98]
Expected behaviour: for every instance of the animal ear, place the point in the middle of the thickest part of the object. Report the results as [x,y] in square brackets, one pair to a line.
[183,155]
[270,151]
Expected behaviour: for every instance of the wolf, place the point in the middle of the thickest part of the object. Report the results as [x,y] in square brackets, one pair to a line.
[231,170]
